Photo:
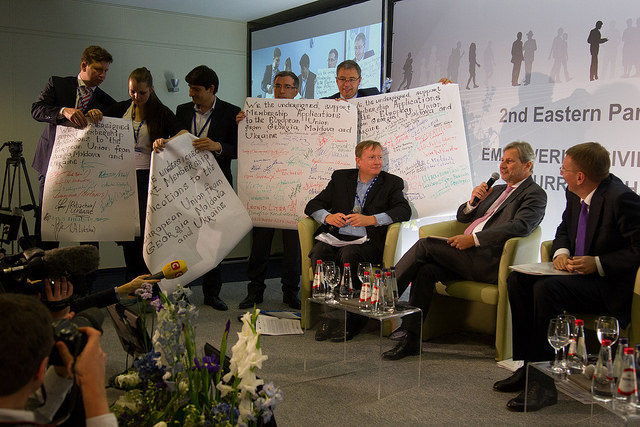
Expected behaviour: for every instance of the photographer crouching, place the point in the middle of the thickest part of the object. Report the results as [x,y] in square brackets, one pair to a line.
[30,390]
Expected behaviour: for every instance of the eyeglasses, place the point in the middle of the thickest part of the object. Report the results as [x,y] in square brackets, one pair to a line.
[286,87]
[563,170]
[351,80]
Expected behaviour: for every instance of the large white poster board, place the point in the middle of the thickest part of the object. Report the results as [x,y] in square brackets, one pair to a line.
[287,150]
[423,135]
[90,190]
[192,212]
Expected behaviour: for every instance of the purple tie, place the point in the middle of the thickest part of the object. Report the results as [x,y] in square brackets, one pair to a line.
[582,229]
[475,223]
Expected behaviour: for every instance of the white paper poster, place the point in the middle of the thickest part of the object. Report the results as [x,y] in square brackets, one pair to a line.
[193,213]
[90,190]
[424,142]
[287,150]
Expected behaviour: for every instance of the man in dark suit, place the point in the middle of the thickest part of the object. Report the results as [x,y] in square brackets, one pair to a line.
[357,203]
[307,79]
[504,211]
[70,101]
[270,72]
[348,78]
[213,122]
[285,86]
[598,238]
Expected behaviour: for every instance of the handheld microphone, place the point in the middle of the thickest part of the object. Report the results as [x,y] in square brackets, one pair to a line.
[171,271]
[70,261]
[494,177]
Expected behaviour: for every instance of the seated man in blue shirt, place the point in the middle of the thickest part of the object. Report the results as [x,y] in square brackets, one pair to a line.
[357,203]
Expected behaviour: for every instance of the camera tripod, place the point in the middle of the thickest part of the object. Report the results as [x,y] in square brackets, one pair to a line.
[15,172]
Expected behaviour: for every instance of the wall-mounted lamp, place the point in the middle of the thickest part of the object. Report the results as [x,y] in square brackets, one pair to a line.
[172,85]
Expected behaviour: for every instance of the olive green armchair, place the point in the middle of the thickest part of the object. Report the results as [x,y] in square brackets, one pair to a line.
[465,305]
[306,229]
[632,331]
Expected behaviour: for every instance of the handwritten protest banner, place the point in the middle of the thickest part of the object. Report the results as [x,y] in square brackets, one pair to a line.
[325,82]
[90,189]
[287,150]
[422,132]
[192,212]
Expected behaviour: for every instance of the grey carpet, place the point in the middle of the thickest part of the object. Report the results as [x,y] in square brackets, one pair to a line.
[456,381]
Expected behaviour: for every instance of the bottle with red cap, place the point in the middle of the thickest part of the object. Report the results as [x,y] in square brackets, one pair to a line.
[627,388]
[603,384]
[365,293]
[346,286]
[318,283]
[577,354]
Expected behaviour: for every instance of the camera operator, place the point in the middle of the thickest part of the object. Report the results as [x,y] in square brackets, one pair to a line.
[26,341]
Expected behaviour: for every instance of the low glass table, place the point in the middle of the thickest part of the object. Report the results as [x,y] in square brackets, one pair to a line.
[361,356]
[578,387]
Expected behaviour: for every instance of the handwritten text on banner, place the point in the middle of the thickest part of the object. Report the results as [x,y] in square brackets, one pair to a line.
[90,188]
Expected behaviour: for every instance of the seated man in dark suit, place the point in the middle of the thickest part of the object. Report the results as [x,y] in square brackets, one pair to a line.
[598,238]
[348,78]
[496,215]
[357,203]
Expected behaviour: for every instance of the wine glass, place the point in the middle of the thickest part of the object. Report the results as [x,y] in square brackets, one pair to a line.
[331,275]
[563,352]
[559,335]
[362,267]
[607,328]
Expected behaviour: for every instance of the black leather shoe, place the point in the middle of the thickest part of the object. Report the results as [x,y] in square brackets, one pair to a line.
[538,396]
[406,347]
[338,334]
[250,300]
[514,383]
[216,303]
[292,301]
[323,332]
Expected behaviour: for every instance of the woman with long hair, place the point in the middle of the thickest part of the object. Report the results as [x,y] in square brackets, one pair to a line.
[150,120]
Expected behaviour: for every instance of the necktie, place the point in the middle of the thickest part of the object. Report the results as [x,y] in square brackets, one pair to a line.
[86,96]
[501,199]
[582,229]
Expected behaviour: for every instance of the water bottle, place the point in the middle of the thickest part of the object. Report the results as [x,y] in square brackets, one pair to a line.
[627,389]
[602,384]
[365,294]
[377,295]
[617,362]
[577,357]
[389,303]
[346,286]
[394,286]
[318,283]
[637,355]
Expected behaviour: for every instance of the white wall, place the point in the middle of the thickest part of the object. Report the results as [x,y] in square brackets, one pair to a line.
[39,38]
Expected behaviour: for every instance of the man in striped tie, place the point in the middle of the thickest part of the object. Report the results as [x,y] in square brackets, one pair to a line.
[599,239]
[70,101]
[495,215]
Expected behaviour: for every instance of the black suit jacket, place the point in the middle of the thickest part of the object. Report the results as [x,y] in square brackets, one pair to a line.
[385,196]
[309,89]
[222,129]
[613,234]
[518,216]
[368,91]
[59,92]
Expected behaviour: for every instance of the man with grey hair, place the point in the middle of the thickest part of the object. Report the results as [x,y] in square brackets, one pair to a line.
[494,215]
[348,78]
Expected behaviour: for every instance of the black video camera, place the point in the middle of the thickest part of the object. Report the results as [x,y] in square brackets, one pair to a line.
[67,331]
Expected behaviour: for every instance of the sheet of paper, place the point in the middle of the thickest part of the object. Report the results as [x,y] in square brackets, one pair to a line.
[539,269]
[269,325]
[332,240]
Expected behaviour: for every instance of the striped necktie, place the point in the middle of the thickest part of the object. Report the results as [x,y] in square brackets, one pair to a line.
[87,92]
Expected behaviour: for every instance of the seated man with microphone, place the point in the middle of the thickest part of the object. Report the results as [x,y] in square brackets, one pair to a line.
[495,215]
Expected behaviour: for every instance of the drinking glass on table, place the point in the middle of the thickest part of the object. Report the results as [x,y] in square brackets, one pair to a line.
[362,267]
[563,352]
[607,328]
[331,275]
[559,335]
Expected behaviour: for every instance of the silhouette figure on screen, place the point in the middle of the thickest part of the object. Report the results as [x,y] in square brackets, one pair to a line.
[516,59]
[407,68]
[529,48]
[595,40]
[489,63]
[559,53]
[472,65]
[454,63]
[609,59]
[629,48]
